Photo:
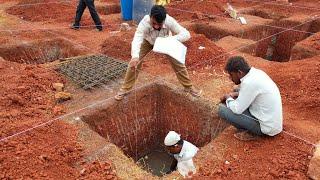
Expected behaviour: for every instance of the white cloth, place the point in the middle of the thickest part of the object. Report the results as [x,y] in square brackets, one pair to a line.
[261,95]
[172,47]
[184,158]
[146,31]
[172,138]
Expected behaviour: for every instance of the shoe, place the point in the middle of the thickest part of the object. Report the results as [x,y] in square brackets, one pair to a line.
[120,95]
[99,29]
[193,91]
[75,27]
[245,136]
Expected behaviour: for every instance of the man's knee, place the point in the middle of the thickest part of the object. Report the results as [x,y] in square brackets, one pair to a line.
[223,111]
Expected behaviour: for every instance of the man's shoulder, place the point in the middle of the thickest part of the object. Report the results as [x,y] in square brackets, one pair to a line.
[169,20]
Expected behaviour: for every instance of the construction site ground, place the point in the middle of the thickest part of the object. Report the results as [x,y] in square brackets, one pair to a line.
[45,139]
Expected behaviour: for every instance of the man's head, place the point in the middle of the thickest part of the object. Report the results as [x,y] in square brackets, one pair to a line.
[157,16]
[173,142]
[237,67]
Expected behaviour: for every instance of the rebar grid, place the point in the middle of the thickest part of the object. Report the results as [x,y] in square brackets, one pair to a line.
[93,70]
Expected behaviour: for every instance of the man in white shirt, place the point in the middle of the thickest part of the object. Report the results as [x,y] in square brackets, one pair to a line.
[157,24]
[183,152]
[256,108]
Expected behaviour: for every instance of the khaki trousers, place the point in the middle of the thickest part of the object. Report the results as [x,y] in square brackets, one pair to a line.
[179,69]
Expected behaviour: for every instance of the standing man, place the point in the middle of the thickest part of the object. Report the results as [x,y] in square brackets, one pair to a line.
[255,109]
[183,152]
[80,9]
[157,24]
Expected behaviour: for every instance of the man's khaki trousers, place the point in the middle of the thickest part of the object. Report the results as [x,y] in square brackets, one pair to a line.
[179,69]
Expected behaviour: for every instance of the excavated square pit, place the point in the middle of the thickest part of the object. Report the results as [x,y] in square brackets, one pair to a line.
[139,123]
[40,51]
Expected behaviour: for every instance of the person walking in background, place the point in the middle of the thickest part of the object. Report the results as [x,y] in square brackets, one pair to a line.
[92,9]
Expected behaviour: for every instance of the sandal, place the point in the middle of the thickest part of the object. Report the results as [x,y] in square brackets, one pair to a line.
[245,136]
[120,95]
[194,92]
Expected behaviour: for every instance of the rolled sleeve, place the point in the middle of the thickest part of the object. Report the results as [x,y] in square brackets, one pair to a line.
[138,38]
[247,94]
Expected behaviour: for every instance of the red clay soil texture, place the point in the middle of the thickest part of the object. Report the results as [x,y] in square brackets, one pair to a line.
[98,170]
[194,9]
[49,152]
[314,41]
[26,93]
[118,46]
[211,55]
[38,10]
[63,11]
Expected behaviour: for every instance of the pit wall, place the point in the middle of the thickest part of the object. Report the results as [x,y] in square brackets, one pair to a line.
[138,128]
[40,51]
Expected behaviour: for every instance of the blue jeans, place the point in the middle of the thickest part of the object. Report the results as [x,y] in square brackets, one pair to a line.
[244,121]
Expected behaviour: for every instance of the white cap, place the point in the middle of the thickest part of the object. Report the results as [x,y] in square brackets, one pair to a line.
[172,138]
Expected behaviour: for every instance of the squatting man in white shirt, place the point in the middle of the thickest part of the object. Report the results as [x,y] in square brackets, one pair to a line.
[254,108]
[183,152]
[157,24]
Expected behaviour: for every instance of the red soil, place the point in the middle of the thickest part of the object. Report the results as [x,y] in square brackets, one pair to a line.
[212,55]
[314,41]
[48,152]
[194,9]
[118,46]
[26,93]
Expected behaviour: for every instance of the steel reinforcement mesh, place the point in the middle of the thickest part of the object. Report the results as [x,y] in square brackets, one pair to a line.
[91,71]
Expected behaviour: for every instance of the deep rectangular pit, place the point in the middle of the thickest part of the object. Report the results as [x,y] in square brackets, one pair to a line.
[41,51]
[139,123]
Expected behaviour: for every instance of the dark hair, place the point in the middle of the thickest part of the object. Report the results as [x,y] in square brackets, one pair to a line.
[180,142]
[158,13]
[237,63]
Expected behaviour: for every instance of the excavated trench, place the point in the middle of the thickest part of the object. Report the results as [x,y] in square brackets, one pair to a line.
[269,42]
[139,123]
[39,52]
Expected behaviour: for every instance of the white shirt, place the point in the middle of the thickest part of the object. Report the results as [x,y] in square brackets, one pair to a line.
[147,32]
[184,158]
[261,95]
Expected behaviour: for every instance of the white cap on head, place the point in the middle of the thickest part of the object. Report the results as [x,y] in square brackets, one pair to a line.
[172,138]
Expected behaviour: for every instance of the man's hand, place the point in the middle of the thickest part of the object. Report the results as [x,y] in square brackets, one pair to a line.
[224,98]
[234,95]
[134,62]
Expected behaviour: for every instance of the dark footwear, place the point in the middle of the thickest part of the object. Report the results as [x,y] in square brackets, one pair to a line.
[245,136]
[193,91]
[120,95]
[75,27]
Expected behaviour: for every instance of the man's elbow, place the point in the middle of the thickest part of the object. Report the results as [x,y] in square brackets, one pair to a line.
[187,35]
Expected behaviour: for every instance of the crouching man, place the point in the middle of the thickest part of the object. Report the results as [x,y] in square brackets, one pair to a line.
[255,109]
[183,152]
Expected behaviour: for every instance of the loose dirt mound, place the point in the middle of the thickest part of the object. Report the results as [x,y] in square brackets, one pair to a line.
[48,10]
[26,96]
[98,170]
[314,41]
[193,9]
[211,55]
[42,10]
[118,46]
